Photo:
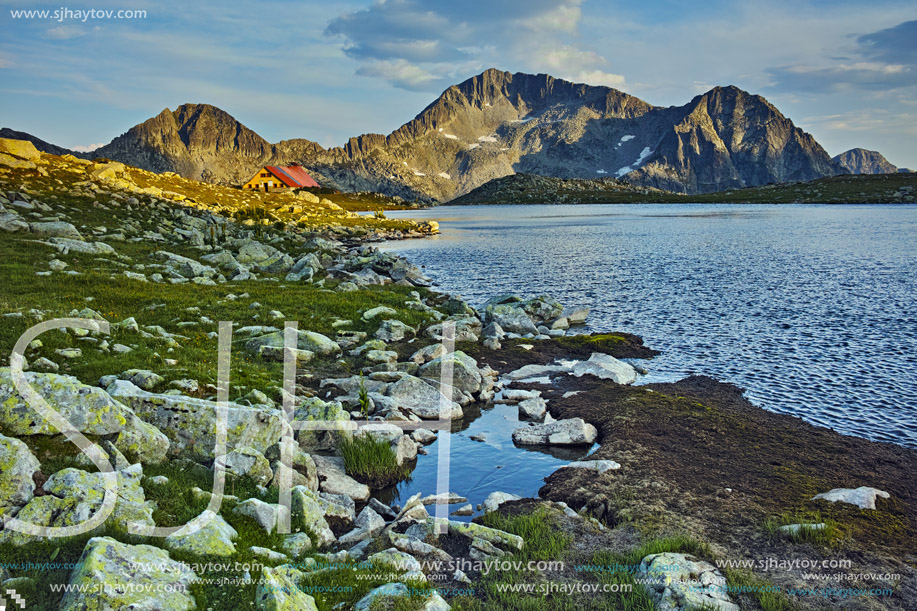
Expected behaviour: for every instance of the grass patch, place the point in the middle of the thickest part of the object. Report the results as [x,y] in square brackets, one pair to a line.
[372,461]
[767,595]
[544,540]
[828,536]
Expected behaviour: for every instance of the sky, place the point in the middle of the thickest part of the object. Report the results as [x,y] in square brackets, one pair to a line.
[843,70]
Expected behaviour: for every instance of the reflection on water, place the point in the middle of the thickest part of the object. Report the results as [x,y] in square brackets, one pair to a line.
[810,308]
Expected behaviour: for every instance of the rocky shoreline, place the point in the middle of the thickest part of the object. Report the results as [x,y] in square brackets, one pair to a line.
[689,473]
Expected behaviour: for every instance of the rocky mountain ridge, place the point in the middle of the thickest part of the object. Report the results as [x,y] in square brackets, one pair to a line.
[863,161]
[497,124]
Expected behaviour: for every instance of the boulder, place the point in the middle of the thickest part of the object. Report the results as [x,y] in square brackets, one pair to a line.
[532,409]
[367,525]
[316,410]
[17,465]
[606,367]
[214,539]
[543,308]
[394,331]
[142,442]
[56,228]
[247,462]
[573,431]
[190,424]
[863,497]
[305,340]
[278,590]
[378,311]
[72,496]
[307,513]
[107,565]
[495,499]
[390,590]
[65,245]
[680,581]
[265,514]
[89,409]
[20,149]
[334,479]
[466,377]
[421,398]
[512,319]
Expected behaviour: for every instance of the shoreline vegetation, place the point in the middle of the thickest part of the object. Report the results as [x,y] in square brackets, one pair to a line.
[844,189]
[687,475]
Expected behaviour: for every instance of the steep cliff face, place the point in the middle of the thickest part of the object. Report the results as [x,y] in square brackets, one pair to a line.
[862,161]
[498,124]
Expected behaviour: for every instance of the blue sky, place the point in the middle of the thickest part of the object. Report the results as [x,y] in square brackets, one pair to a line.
[845,71]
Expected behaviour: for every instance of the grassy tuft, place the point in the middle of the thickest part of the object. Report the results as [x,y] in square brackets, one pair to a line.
[372,461]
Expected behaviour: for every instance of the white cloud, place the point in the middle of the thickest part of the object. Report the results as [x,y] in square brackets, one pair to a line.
[66,32]
[88,148]
[432,44]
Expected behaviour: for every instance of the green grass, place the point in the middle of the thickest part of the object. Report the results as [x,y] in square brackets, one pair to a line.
[828,536]
[758,589]
[370,460]
[544,540]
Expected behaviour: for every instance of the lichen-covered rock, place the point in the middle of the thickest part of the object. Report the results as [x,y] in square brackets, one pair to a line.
[389,590]
[142,442]
[305,340]
[678,582]
[214,539]
[307,513]
[313,410]
[88,408]
[407,565]
[17,465]
[247,462]
[143,378]
[73,496]
[265,514]
[279,591]
[512,319]
[107,565]
[191,424]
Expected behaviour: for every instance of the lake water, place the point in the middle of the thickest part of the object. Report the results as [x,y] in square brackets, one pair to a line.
[811,309]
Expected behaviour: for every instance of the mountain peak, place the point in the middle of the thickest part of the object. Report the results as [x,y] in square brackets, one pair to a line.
[864,161]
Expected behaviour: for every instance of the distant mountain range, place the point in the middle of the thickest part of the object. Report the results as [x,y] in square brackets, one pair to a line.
[497,124]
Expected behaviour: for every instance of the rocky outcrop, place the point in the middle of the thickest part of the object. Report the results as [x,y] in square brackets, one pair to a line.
[862,161]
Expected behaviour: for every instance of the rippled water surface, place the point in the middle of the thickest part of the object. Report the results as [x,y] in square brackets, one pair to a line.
[809,308]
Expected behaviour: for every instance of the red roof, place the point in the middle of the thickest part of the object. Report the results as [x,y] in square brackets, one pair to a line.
[292,175]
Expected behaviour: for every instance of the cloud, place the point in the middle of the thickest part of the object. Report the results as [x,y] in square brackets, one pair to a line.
[399,72]
[66,32]
[881,61]
[88,148]
[428,45]
[893,45]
